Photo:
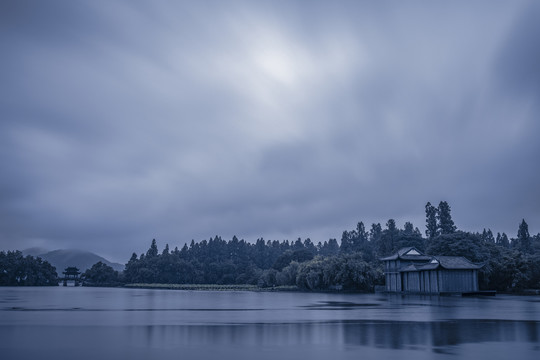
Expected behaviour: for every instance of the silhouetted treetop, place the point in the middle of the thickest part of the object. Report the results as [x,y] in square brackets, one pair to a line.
[446,224]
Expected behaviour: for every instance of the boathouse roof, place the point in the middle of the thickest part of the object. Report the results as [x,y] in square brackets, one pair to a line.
[407,253]
[445,262]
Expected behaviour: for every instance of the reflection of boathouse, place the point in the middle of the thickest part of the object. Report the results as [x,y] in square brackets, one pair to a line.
[409,270]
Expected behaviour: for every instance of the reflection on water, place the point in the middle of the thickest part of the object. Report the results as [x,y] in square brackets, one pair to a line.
[399,335]
[141,324]
[390,335]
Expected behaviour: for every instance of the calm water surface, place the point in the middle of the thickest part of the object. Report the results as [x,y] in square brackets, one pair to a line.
[100,323]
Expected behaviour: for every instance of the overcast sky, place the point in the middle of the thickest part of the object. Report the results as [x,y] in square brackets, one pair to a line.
[123,121]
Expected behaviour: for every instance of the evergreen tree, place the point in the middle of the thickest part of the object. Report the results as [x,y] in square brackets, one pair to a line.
[131,269]
[408,229]
[409,236]
[153,251]
[308,245]
[504,240]
[346,242]
[487,236]
[333,247]
[361,238]
[184,250]
[298,244]
[431,221]
[523,237]
[330,247]
[375,233]
[354,240]
[165,250]
[389,238]
[446,224]
[490,238]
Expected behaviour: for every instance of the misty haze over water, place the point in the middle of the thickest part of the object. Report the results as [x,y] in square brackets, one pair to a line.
[92,323]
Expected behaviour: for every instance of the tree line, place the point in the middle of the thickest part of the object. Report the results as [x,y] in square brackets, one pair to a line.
[19,270]
[351,264]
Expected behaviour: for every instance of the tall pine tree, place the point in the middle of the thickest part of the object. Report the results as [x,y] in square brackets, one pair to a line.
[153,251]
[389,238]
[524,239]
[431,221]
[361,237]
[446,224]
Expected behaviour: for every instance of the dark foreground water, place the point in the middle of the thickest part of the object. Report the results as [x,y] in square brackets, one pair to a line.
[94,323]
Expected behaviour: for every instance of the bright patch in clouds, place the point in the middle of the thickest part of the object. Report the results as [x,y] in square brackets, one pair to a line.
[280,66]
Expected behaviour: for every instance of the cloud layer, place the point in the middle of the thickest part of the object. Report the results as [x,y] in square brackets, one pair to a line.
[125,121]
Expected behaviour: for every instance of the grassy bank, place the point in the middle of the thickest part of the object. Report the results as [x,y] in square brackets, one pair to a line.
[210,287]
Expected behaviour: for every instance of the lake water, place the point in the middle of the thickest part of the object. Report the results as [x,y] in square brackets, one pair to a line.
[103,323]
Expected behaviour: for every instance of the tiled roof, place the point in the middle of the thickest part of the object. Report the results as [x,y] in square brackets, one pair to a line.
[415,257]
[403,254]
[456,262]
[445,262]
[431,262]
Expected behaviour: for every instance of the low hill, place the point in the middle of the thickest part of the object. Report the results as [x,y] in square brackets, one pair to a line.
[63,258]
[34,251]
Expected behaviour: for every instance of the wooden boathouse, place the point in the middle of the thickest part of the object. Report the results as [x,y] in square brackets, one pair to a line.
[409,270]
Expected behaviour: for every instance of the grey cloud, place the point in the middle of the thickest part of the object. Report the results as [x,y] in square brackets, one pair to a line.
[518,63]
[126,121]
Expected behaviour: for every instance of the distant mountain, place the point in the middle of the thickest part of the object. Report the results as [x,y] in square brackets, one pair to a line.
[63,258]
[35,251]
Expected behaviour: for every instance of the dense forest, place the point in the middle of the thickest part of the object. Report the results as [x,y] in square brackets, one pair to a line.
[352,264]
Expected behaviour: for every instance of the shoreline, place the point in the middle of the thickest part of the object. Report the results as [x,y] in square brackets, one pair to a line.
[211,287]
[283,288]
